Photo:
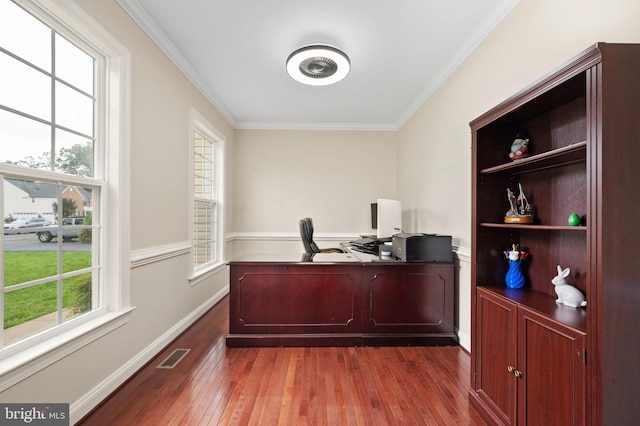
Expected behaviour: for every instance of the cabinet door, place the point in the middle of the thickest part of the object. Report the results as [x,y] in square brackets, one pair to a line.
[552,362]
[496,351]
[409,298]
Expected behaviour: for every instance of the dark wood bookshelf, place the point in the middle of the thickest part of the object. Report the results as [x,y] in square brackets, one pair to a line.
[583,124]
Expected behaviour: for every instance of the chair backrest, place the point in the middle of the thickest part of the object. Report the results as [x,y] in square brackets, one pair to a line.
[306,234]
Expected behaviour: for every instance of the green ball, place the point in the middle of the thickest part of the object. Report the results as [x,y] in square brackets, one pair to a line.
[574,219]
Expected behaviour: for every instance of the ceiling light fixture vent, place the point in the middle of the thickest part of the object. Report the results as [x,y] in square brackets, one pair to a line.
[318,65]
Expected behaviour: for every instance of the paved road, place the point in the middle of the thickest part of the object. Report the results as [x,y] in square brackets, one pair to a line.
[29,242]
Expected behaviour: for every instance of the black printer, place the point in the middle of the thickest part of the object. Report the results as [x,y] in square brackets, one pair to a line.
[422,247]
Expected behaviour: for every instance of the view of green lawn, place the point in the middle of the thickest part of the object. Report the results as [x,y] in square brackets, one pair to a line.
[33,302]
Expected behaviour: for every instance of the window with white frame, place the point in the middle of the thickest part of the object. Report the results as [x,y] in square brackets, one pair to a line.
[207,231]
[60,134]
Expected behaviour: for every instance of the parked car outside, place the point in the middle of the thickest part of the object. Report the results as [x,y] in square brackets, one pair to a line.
[23,224]
[49,234]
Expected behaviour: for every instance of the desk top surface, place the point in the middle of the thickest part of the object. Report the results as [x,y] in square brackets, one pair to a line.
[351,256]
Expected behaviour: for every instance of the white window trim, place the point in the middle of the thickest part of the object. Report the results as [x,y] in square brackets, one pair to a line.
[39,351]
[202,125]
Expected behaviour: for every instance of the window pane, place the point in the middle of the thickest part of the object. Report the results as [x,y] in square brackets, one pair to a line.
[74,110]
[203,188]
[29,269]
[77,208]
[76,289]
[24,89]
[24,142]
[75,256]
[203,167]
[25,36]
[30,205]
[204,232]
[203,148]
[38,250]
[203,212]
[73,65]
[74,154]
[78,295]
[29,311]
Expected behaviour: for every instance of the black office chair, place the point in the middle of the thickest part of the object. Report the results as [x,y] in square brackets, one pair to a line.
[306,233]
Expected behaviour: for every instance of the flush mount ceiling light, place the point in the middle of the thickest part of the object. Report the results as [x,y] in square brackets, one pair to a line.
[318,65]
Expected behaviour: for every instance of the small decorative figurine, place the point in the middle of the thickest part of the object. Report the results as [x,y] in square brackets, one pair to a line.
[514,277]
[568,295]
[520,145]
[519,209]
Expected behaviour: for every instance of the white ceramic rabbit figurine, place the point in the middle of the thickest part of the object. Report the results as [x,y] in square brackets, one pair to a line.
[567,294]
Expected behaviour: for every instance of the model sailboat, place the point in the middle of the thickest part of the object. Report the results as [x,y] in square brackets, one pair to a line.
[520,210]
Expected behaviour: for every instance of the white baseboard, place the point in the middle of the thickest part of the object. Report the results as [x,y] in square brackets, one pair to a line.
[464,340]
[92,399]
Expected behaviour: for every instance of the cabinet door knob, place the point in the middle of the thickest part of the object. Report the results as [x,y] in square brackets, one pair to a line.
[514,370]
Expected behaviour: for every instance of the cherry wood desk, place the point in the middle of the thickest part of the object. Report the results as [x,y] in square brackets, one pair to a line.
[339,299]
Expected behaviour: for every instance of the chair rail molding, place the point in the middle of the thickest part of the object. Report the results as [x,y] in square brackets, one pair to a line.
[158,253]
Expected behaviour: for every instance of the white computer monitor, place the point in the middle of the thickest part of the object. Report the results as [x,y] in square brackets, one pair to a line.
[389,217]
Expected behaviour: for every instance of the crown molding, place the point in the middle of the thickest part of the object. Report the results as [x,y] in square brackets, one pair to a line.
[381,127]
[501,10]
[144,21]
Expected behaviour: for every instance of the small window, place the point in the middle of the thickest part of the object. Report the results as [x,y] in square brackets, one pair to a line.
[207,190]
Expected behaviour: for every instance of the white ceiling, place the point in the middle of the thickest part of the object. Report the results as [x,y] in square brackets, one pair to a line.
[234,51]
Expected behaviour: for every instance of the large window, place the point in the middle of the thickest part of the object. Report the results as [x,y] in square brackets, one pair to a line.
[208,149]
[60,132]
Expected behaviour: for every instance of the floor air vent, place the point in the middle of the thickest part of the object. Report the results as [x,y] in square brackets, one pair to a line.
[173,359]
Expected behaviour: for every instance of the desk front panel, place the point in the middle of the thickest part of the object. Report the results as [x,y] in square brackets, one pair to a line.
[408,298]
[300,299]
[340,304]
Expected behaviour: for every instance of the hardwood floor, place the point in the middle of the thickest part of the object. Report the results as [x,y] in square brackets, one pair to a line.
[215,385]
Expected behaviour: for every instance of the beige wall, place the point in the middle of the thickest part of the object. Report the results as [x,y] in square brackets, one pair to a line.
[435,144]
[331,176]
[164,300]
[281,176]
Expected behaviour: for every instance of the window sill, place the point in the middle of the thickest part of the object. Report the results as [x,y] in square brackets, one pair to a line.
[20,362]
[202,275]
